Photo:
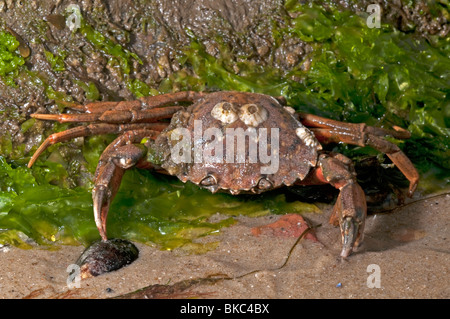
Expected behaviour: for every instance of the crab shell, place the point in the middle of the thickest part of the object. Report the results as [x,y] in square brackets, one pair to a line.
[296,147]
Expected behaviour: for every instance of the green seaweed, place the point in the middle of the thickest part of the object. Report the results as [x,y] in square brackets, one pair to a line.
[218,74]
[56,61]
[119,56]
[10,59]
[151,209]
[139,88]
[382,77]
[90,89]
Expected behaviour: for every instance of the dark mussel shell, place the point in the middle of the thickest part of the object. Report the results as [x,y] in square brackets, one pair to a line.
[106,256]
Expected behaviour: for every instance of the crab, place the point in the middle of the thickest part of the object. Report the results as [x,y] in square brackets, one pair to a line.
[197,145]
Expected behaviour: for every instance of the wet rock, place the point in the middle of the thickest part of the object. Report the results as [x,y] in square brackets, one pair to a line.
[421,17]
[106,256]
[57,20]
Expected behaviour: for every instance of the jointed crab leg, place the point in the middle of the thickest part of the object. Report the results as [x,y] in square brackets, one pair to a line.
[164,99]
[350,209]
[89,130]
[143,110]
[94,107]
[114,116]
[311,120]
[360,134]
[143,103]
[119,156]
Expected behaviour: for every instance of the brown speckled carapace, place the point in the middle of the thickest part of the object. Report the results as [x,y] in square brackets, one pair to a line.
[293,165]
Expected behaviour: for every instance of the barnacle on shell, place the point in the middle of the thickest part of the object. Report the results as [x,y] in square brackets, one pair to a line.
[253,114]
[306,136]
[289,109]
[224,112]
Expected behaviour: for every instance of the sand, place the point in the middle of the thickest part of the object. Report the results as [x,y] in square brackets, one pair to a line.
[406,254]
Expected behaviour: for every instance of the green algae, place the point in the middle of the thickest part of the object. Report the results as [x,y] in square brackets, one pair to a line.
[151,209]
[382,77]
[10,58]
[119,55]
[90,89]
[56,60]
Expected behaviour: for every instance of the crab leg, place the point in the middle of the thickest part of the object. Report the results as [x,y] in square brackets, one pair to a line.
[311,120]
[114,116]
[143,103]
[89,130]
[144,110]
[94,107]
[350,209]
[119,156]
[330,131]
[164,99]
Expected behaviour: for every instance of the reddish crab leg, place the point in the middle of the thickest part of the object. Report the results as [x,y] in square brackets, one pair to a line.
[145,109]
[114,116]
[119,156]
[399,158]
[330,131]
[311,120]
[145,116]
[164,99]
[350,209]
[64,118]
[143,103]
[89,130]
[94,107]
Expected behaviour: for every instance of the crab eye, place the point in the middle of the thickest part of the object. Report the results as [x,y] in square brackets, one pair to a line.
[264,184]
[252,114]
[224,112]
[209,180]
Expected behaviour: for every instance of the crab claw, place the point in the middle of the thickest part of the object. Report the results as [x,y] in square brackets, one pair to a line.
[352,235]
[106,184]
[101,199]
[351,211]
[110,170]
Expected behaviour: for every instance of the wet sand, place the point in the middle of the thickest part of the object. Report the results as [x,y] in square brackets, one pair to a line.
[410,248]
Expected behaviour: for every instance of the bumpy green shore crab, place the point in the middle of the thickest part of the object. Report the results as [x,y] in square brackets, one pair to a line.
[198,146]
